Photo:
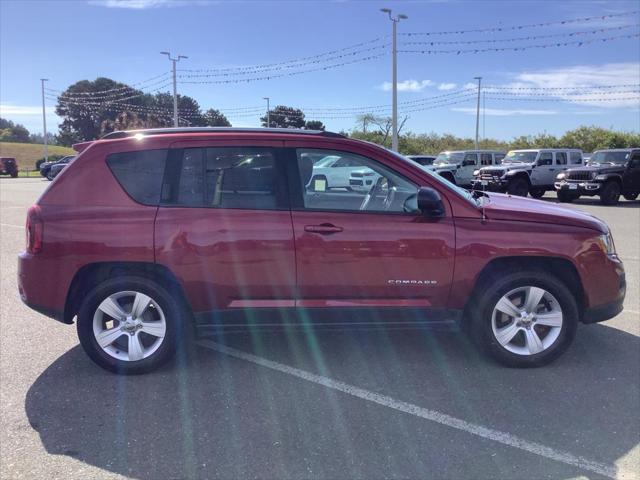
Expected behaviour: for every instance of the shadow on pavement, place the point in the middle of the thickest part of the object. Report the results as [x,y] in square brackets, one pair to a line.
[212,416]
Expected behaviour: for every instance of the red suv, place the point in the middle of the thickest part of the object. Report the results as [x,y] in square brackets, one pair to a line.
[148,232]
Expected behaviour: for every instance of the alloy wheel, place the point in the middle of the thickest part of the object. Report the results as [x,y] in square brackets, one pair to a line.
[527,320]
[129,326]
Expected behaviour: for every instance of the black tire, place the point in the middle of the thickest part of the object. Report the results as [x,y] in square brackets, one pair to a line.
[493,289]
[14,175]
[610,193]
[566,197]
[537,192]
[49,176]
[176,319]
[630,196]
[518,187]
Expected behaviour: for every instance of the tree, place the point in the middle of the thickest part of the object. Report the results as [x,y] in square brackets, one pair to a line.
[284,117]
[13,132]
[314,125]
[215,118]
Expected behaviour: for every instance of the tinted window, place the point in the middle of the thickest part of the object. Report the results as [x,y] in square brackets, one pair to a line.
[499,157]
[139,173]
[575,158]
[470,159]
[545,158]
[230,177]
[367,186]
[561,158]
[485,159]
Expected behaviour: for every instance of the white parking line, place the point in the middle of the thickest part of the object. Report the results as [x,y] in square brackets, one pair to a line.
[432,415]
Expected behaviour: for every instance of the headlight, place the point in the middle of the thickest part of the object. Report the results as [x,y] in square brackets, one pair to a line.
[606,243]
[476,173]
[560,176]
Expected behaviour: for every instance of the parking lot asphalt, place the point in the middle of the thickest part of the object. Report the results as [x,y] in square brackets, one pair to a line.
[328,403]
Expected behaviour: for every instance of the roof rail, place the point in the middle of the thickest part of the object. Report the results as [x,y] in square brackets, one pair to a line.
[165,131]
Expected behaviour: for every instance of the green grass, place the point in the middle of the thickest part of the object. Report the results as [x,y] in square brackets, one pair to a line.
[26,154]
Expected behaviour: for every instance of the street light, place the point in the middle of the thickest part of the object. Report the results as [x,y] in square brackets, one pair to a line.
[175,89]
[44,121]
[268,112]
[394,101]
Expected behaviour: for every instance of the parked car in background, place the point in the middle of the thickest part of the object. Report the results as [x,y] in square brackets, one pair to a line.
[458,166]
[8,166]
[56,168]
[609,174]
[151,233]
[45,167]
[531,171]
[423,160]
[333,172]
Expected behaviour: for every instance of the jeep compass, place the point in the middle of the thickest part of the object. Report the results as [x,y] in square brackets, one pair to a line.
[150,235]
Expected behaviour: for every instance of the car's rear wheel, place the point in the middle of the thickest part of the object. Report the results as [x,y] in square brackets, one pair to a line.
[566,197]
[631,196]
[518,187]
[525,319]
[130,325]
[610,193]
[537,192]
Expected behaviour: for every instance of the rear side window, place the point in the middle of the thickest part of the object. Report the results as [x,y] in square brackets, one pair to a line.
[140,173]
[485,159]
[225,177]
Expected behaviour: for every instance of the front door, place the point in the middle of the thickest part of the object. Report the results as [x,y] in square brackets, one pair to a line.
[370,248]
[631,177]
[465,173]
[224,225]
[544,171]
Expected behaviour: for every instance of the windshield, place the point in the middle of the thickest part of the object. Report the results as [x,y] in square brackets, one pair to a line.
[445,158]
[438,178]
[614,158]
[515,156]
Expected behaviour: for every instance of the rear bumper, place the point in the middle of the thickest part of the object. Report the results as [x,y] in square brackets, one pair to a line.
[40,288]
[609,310]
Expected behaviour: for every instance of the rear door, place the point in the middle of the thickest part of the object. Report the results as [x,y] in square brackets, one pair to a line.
[224,225]
[370,248]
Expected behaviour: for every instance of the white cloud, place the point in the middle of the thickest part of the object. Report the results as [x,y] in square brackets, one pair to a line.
[447,86]
[468,85]
[585,77]
[144,4]
[408,85]
[498,112]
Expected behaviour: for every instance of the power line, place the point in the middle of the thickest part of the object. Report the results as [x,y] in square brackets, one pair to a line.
[522,27]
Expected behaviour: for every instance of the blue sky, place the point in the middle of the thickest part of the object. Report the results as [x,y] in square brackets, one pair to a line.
[67,41]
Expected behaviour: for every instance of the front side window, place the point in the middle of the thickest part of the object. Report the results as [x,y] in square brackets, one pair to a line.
[546,158]
[139,173]
[226,177]
[561,158]
[575,158]
[485,159]
[470,159]
[368,186]
[499,157]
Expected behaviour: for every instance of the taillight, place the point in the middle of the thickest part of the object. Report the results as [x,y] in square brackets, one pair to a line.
[35,228]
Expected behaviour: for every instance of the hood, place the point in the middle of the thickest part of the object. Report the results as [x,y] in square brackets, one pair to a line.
[506,207]
[606,168]
[513,166]
[444,166]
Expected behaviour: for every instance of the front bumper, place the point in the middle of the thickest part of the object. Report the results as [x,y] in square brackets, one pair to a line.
[600,313]
[579,187]
[490,185]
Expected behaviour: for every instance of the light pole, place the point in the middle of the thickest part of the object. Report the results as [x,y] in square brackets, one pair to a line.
[268,112]
[175,88]
[44,121]
[478,110]
[394,101]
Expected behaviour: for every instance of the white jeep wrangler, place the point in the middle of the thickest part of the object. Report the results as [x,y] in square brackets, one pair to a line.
[527,171]
[458,166]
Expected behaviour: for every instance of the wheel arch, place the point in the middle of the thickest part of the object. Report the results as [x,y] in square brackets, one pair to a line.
[514,174]
[612,177]
[562,268]
[93,274]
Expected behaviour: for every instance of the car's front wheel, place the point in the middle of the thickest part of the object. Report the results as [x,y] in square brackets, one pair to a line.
[525,319]
[610,193]
[518,187]
[130,325]
[566,197]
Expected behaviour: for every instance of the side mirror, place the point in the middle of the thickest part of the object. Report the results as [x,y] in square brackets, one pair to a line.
[430,203]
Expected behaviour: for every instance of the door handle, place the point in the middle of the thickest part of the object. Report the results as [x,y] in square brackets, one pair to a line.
[323,229]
